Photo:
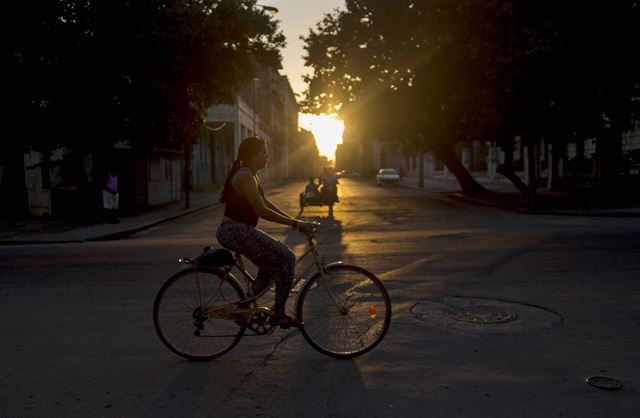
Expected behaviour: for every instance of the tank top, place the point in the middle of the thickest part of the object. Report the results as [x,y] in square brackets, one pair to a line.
[112,184]
[238,208]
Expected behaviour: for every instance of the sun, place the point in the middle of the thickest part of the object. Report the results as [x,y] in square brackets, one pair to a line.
[326,129]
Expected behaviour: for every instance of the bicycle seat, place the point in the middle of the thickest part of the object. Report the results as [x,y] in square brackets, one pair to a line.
[212,257]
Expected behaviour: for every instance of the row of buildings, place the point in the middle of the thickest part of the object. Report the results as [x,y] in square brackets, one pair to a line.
[361,153]
[64,184]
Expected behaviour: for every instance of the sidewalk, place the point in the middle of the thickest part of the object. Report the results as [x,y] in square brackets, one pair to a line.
[48,232]
[503,194]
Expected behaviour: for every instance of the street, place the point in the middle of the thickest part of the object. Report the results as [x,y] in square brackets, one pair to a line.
[554,301]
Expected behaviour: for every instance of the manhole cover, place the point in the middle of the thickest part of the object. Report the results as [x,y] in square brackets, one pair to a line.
[604,382]
[479,315]
[482,314]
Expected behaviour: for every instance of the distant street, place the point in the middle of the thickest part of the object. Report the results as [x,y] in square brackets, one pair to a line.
[558,296]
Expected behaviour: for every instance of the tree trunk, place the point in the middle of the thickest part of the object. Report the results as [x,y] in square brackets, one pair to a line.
[14,202]
[610,188]
[188,150]
[421,169]
[467,182]
[609,152]
[506,169]
[533,176]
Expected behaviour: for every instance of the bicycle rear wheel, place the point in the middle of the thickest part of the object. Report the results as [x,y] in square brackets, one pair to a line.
[347,314]
[182,314]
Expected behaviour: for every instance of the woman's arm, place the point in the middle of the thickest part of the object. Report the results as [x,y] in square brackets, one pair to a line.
[273,207]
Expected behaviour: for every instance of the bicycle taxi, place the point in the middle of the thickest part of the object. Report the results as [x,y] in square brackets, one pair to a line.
[326,195]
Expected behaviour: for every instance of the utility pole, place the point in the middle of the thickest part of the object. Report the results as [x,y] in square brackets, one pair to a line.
[187,150]
[253,105]
[421,162]
[531,173]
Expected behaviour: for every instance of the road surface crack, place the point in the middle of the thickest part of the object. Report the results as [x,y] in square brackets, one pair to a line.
[265,362]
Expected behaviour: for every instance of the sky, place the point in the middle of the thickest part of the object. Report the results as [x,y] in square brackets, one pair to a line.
[296,17]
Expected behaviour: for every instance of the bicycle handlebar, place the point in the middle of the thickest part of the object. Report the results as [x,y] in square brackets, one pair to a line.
[311,234]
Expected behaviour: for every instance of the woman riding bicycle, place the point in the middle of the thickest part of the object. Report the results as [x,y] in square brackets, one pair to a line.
[245,202]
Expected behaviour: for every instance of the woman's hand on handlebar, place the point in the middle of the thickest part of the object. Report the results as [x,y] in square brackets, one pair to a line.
[308,227]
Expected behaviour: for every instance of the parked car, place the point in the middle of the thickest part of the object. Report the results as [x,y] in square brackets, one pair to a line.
[388,176]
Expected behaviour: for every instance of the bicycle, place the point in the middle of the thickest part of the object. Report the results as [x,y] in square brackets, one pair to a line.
[203,311]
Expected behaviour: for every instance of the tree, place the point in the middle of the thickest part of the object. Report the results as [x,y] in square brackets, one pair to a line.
[479,70]
[375,50]
[85,74]
[567,79]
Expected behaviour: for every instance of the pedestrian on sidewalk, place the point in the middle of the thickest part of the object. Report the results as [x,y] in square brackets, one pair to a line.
[245,202]
[111,195]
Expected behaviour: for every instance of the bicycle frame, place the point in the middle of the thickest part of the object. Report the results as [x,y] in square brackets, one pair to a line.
[229,311]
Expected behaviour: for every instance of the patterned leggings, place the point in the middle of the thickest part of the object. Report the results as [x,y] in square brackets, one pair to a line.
[274,259]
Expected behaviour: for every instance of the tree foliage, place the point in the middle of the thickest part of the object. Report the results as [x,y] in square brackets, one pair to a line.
[456,70]
[85,73]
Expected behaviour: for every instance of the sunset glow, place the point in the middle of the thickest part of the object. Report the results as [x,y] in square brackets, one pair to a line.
[326,129]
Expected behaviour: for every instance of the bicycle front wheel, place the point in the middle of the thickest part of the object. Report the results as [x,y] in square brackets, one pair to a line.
[184,314]
[346,312]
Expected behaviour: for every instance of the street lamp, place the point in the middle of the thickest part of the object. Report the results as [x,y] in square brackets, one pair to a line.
[270,9]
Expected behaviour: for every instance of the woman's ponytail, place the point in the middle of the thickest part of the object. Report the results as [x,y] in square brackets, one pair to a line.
[248,148]
[237,165]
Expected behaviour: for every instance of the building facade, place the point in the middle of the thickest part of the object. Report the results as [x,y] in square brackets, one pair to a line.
[266,107]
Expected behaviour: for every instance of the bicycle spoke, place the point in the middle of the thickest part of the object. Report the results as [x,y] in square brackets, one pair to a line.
[347,314]
[181,314]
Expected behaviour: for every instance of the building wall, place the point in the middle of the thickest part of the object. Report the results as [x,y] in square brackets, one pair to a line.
[164,179]
[266,107]
[229,125]
[201,165]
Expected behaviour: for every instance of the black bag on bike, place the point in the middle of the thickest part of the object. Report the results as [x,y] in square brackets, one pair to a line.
[212,257]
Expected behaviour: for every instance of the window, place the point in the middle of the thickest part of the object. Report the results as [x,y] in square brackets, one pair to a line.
[631,140]
[572,151]
[589,147]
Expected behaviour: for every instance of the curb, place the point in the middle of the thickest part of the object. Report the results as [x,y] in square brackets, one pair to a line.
[464,198]
[111,236]
[129,232]
[36,242]
[461,197]
[615,213]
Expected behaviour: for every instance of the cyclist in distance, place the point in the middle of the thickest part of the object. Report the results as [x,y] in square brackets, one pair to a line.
[245,202]
[329,181]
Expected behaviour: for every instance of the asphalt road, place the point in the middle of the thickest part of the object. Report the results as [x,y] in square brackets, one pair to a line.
[496,314]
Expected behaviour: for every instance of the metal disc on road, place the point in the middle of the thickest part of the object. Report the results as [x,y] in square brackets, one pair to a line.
[604,382]
[481,314]
[485,316]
